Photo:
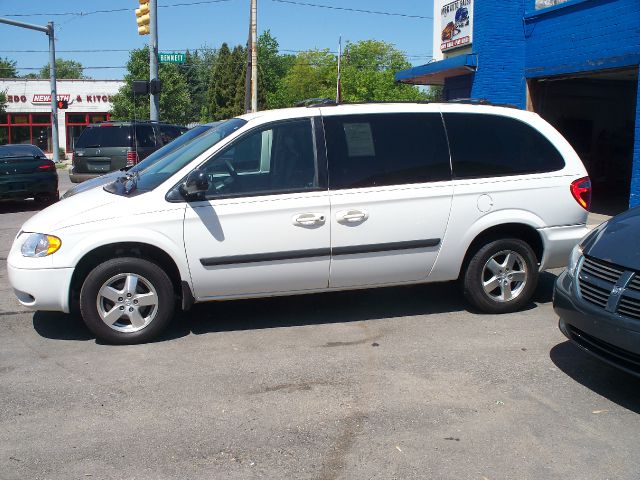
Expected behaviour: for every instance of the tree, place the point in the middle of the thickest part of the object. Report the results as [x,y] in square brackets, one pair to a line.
[226,84]
[175,102]
[64,69]
[8,68]
[3,101]
[312,75]
[272,68]
[368,73]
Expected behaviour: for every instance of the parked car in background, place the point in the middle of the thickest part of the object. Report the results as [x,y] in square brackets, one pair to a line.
[26,172]
[322,198]
[150,160]
[109,146]
[598,296]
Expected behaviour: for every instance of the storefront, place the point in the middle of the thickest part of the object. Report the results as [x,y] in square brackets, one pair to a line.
[574,62]
[28,112]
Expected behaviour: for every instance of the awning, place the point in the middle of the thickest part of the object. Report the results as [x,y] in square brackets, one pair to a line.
[434,73]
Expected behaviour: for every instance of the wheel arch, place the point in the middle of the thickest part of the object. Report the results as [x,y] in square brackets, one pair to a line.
[521,231]
[142,250]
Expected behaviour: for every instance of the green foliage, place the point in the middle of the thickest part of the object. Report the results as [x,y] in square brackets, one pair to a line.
[368,73]
[64,69]
[226,85]
[8,68]
[312,75]
[3,101]
[272,68]
[175,103]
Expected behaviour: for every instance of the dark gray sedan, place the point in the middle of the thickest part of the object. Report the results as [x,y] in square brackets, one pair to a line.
[26,172]
[598,296]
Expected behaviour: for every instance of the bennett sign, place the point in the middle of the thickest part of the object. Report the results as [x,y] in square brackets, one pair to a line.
[457,24]
[172,57]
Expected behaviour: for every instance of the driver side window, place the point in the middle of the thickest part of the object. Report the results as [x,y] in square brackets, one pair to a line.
[277,158]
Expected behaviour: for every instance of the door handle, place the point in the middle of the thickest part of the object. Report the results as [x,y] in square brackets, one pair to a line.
[352,216]
[307,219]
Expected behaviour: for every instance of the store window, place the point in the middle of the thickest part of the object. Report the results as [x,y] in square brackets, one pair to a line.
[77,122]
[26,128]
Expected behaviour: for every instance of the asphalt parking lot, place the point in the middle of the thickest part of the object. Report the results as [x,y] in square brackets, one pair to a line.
[396,383]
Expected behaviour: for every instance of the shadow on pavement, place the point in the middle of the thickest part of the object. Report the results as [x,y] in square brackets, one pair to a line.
[597,376]
[297,310]
[16,206]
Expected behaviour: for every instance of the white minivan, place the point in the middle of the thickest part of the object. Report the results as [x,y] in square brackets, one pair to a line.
[312,199]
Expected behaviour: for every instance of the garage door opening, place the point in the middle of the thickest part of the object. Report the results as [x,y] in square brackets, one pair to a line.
[596,113]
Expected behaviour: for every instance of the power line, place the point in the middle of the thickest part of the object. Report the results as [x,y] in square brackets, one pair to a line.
[106,50]
[113,10]
[375,12]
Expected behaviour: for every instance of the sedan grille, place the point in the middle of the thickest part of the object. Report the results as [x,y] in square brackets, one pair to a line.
[610,287]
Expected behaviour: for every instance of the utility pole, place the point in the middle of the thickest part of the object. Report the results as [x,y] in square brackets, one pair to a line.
[52,70]
[254,55]
[339,82]
[154,98]
[247,76]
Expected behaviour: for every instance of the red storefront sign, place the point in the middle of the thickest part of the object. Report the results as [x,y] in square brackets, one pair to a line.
[46,97]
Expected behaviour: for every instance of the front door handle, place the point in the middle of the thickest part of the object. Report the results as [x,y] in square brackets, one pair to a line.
[351,216]
[308,219]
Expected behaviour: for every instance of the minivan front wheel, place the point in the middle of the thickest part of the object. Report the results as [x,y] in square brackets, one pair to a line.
[127,300]
[501,276]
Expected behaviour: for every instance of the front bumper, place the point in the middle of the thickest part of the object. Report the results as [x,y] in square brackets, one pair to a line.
[610,337]
[42,288]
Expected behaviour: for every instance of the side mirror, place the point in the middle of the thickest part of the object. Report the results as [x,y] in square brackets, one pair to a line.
[196,184]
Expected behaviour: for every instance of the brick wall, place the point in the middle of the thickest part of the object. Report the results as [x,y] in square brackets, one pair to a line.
[582,36]
[498,38]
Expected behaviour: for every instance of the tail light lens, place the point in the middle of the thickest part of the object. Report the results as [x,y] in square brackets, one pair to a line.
[132,158]
[48,166]
[581,191]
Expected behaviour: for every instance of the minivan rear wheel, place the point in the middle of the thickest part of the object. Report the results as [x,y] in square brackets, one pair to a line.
[501,276]
[127,300]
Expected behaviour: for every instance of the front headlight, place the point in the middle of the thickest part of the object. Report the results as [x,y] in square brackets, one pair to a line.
[574,260]
[40,245]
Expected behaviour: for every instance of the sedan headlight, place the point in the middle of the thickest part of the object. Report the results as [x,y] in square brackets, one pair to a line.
[574,260]
[40,245]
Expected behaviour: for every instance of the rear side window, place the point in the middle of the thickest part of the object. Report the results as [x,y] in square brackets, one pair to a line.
[109,136]
[145,136]
[386,149]
[170,132]
[492,145]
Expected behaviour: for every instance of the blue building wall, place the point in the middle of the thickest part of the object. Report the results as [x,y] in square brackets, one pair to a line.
[582,35]
[499,42]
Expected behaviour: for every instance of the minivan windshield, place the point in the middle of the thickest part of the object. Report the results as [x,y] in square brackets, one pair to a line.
[104,136]
[149,178]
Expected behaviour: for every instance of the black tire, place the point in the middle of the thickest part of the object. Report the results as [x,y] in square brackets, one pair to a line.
[478,271]
[46,198]
[151,284]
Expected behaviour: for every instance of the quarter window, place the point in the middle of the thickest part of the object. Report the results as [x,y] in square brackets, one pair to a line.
[492,145]
[386,149]
[278,158]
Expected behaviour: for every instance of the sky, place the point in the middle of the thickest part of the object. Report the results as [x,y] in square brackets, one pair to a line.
[295,26]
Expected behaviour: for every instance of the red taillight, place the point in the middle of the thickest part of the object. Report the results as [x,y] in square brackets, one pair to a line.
[581,191]
[47,167]
[132,158]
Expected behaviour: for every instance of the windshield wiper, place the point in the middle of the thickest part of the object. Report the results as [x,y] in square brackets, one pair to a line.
[92,146]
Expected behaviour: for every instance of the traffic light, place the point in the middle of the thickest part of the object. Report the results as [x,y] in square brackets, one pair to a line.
[143,17]
[63,104]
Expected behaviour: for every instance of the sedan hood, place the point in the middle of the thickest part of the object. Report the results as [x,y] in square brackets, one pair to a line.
[89,206]
[617,241]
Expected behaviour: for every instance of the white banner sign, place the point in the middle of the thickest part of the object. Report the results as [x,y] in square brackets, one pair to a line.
[457,24]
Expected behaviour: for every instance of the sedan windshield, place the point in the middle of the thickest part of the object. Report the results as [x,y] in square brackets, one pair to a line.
[149,178]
